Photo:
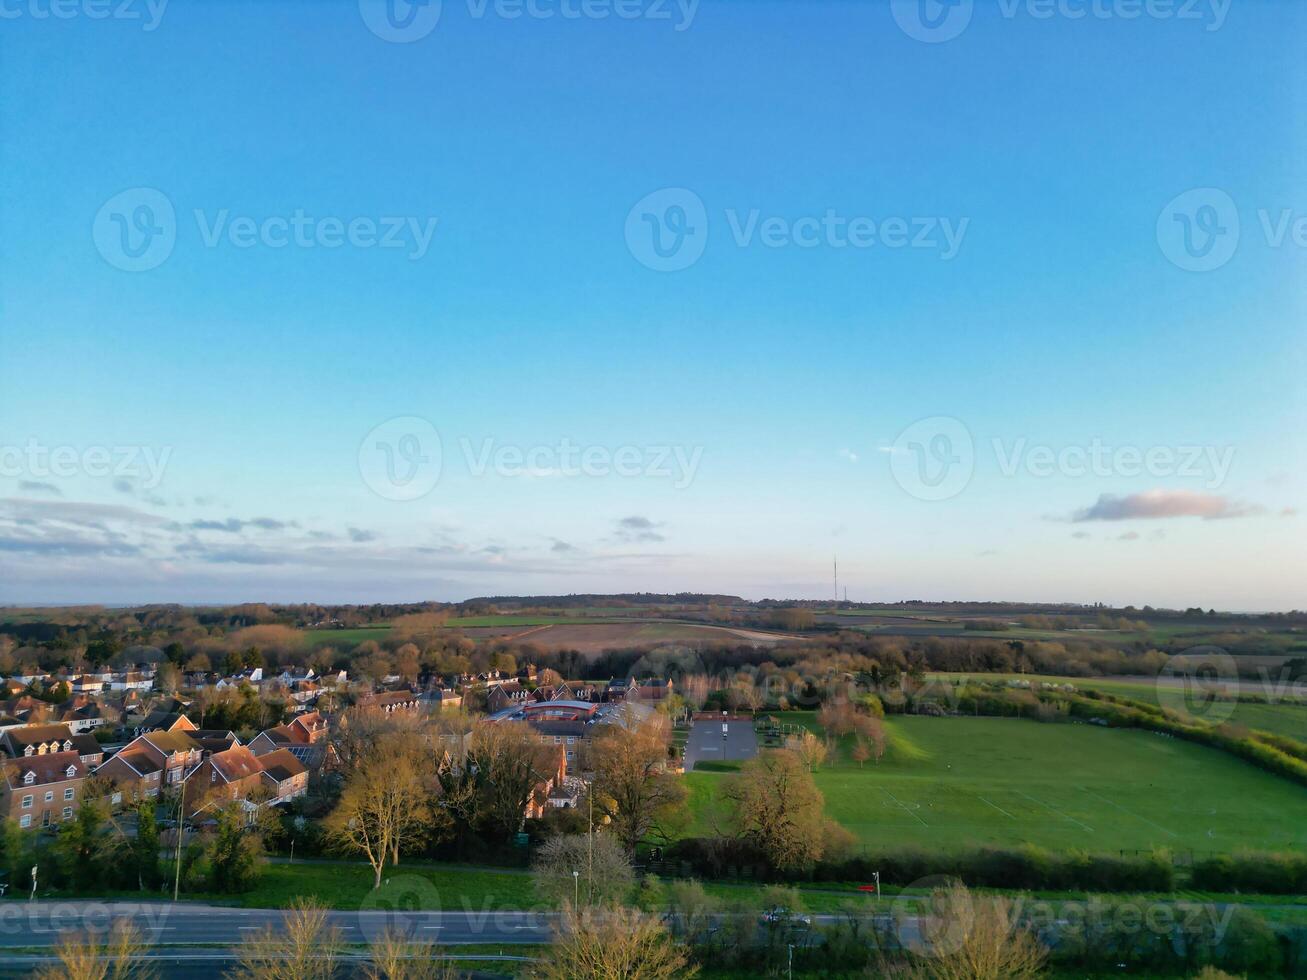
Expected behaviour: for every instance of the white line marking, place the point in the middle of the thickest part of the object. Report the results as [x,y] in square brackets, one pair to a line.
[996,807]
[1128,812]
[904,806]
[1053,809]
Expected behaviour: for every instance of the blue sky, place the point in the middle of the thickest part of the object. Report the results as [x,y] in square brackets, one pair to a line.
[788,364]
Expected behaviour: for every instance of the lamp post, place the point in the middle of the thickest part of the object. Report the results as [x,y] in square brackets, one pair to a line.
[177,875]
[576,888]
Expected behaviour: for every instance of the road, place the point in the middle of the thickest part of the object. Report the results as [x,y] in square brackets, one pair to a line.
[705,742]
[31,924]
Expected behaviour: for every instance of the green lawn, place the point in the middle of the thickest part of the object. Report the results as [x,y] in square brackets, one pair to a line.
[414,886]
[958,782]
[346,638]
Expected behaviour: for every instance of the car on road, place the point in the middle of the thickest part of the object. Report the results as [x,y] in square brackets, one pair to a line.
[781,916]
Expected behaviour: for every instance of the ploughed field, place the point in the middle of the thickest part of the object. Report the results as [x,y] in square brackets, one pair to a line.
[960,782]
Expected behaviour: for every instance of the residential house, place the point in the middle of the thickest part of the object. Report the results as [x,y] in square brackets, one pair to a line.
[505,695]
[284,775]
[223,777]
[29,740]
[41,790]
[152,762]
[389,701]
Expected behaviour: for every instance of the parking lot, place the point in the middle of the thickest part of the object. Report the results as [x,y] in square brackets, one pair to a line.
[705,742]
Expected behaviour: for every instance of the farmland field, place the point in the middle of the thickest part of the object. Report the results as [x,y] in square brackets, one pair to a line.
[958,782]
[598,637]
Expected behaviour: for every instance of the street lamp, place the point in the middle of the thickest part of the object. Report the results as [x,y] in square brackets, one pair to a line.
[576,888]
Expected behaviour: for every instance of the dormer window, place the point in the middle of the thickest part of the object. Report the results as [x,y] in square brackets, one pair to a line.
[68,744]
[30,750]
[29,779]
[70,772]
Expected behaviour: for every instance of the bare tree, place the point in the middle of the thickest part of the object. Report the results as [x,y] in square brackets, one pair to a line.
[90,956]
[632,786]
[509,762]
[614,944]
[392,956]
[974,937]
[777,807]
[809,748]
[383,807]
[304,948]
[591,868]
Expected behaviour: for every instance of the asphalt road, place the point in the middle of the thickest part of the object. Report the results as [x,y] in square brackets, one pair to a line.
[705,742]
[35,924]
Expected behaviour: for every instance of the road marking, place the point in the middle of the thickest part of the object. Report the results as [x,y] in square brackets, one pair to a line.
[996,807]
[1128,812]
[905,807]
[1053,809]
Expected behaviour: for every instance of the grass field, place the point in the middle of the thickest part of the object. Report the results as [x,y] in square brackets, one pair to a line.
[1281,719]
[346,638]
[959,782]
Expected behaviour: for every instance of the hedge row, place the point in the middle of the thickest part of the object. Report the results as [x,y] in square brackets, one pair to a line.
[1025,867]
[1250,871]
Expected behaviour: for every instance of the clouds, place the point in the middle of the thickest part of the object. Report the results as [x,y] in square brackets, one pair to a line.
[1159,504]
[39,486]
[233,525]
[639,530]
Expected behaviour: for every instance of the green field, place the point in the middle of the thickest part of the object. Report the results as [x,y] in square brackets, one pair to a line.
[1281,719]
[959,782]
[346,638]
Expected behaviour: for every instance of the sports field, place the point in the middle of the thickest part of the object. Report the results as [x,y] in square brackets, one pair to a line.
[957,782]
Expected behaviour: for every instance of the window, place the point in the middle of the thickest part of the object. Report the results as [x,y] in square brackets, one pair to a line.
[49,796]
[117,798]
[68,813]
[27,802]
[70,772]
[29,779]
[68,793]
[26,821]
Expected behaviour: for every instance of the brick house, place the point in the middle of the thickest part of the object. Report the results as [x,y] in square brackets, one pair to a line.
[284,775]
[223,777]
[153,761]
[41,790]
